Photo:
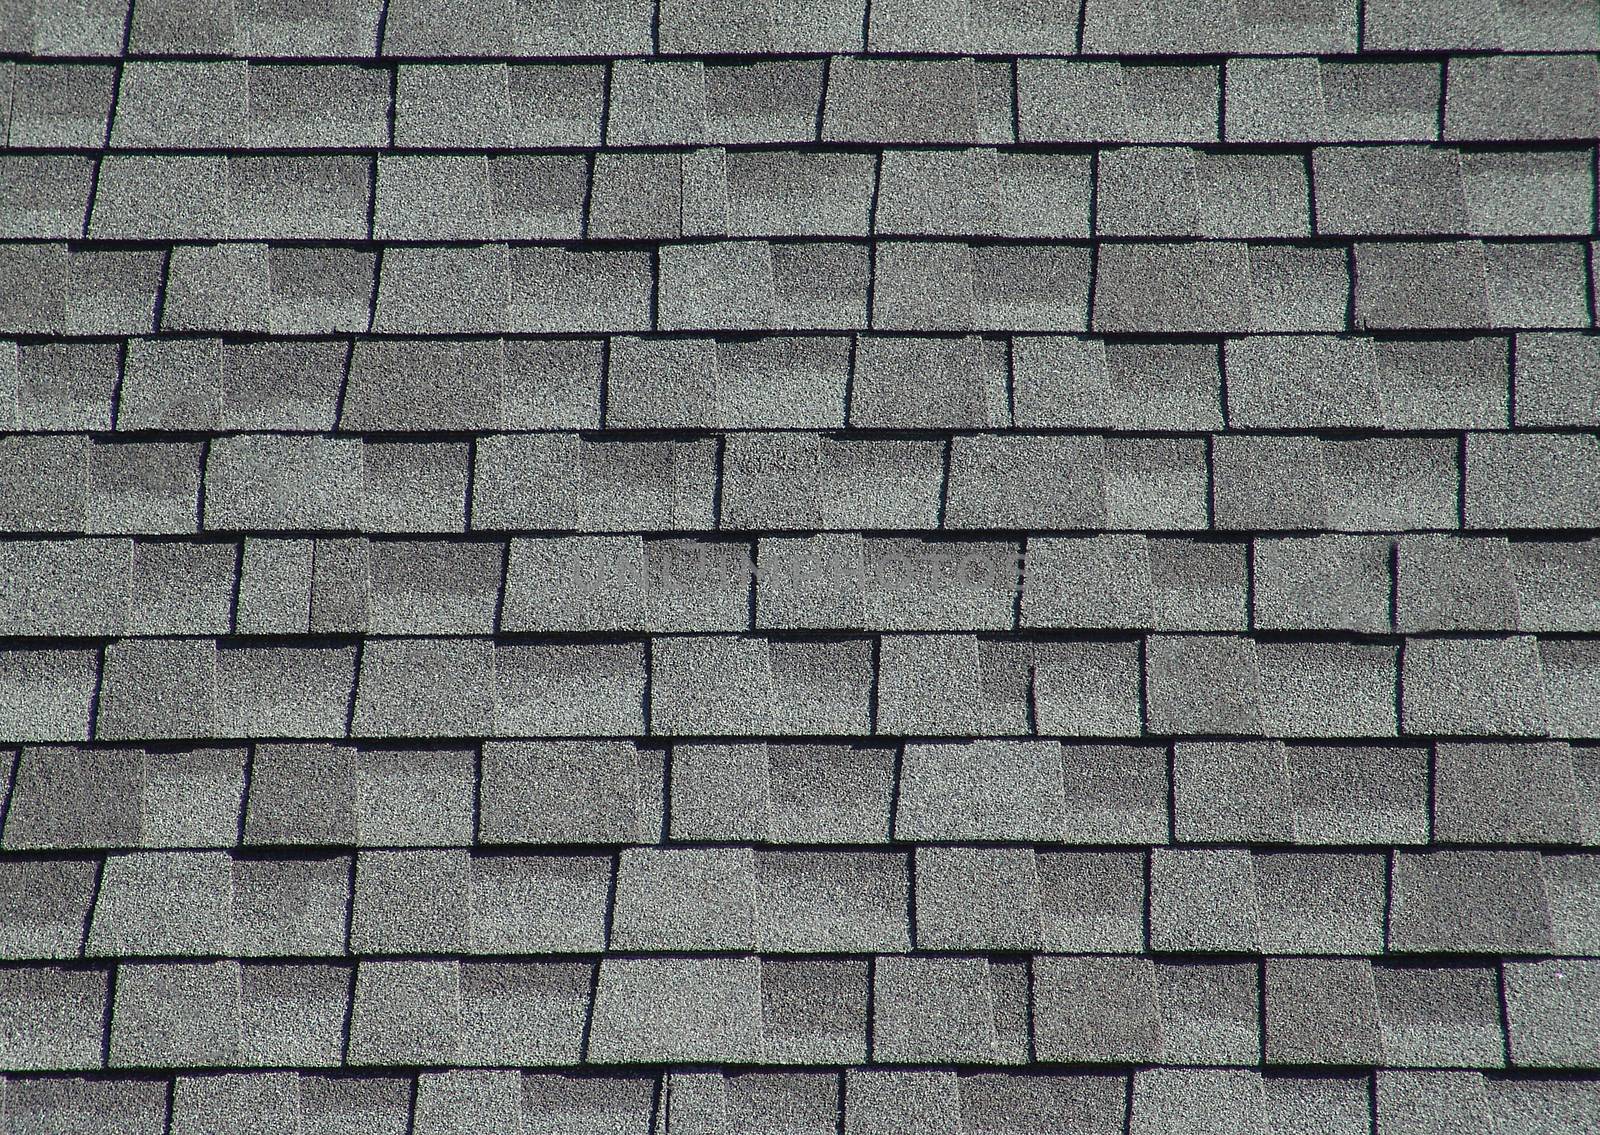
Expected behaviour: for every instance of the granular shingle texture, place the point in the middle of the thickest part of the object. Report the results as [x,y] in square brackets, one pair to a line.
[799,567]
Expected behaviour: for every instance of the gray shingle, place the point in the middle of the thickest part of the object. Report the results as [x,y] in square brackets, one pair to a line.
[763,101]
[815,1011]
[564,689]
[65,587]
[414,486]
[531,1013]
[914,584]
[779,193]
[59,1104]
[1025,481]
[36,278]
[575,583]
[934,1010]
[1092,901]
[176,1014]
[685,899]
[1084,383]
[409,797]
[899,101]
[1359,794]
[293,1014]
[162,197]
[1572,681]
[1231,792]
[783,381]
[112,291]
[1557,379]
[1390,190]
[289,907]
[181,588]
[1531,480]
[406,1012]
[241,1103]
[978,898]
[1405,285]
[807,481]
[588,1105]
[346,1105]
[561,792]
[1469,901]
[981,790]
[826,901]
[721,792]
[1440,1017]
[410,902]
[1431,1103]
[171,384]
[341,585]
[1554,583]
[1550,1107]
[678,1009]
[158,688]
[1086,689]
[821,687]
[1474,685]
[1527,194]
[301,794]
[61,104]
[451,1103]
[263,481]
[980,192]
[1538,284]
[1522,97]
[46,905]
[1336,1105]
[1209,684]
[278,385]
[560,289]
[523,903]
[424,687]
[1074,101]
[953,685]
[46,196]
[1573,883]
[284,691]
[1505,793]
[1328,689]
[317,105]
[47,695]
[1197,1101]
[274,586]
[428,384]
[879,1102]
[143,487]
[315,197]
[192,797]
[1322,583]
[1321,1011]
[418,587]
[805,1102]
[831,793]
[1196,287]
[51,1019]
[1302,381]
[173,105]
[493,105]
[1203,900]
[1308,100]
[1210,1012]
[656,103]
[1321,902]
[414,295]
[163,903]
[64,386]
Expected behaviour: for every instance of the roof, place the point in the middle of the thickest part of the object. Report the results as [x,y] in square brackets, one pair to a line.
[799,567]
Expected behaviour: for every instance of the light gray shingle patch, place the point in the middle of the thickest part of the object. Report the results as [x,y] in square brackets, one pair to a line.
[1298,288]
[728,286]
[783,381]
[807,1102]
[1532,480]
[1557,379]
[809,481]
[425,385]
[981,192]
[65,386]
[763,101]
[349,27]
[901,101]
[293,1014]
[575,583]
[551,383]
[143,487]
[1322,583]
[830,793]
[1451,583]
[1174,191]
[334,105]
[180,105]
[820,285]
[670,383]
[158,688]
[60,105]
[1086,689]
[163,903]
[172,384]
[422,587]
[274,587]
[981,790]
[1322,1011]
[1309,100]
[35,302]
[1404,285]
[1203,684]
[656,103]
[192,797]
[284,691]
[493,105]
[812,581]
[1538,284]
[564,689]
[46,695]
[827,901]
[1435,1017]
[246,1103]
[1394,26]
[677,1009]
[301,794]
[185,1014]
[1076,101]
[588,1105]
[1573,883]
[1209,1012]
[65,587]
[1328,689]
[410,902]
[154,197]
[275,482]
[1556,584]
[434,197]
[815,1011]
[1572,684]
[1084,383]
[1203,900]
[1470,902]
[314,197]
[685,899]
[460,289]
[44,906]
[925,585]
[414,486]
[425,688]
[1197,1101]
[1432,1101]
[289,907]
[46,195]
[1028,1104]
[1522,97]
[459,1101]
[879,1102]
[566,290]
[1505,793]
[953,685]
[978,899]
[1190,287]
[132,1107]
[782,193]
[561,792]
[1232,792]
[1474,685]
[1092,901]
[721,792]
[821,687]
[1359,794]
[410,797]
[45,484]
[1320,902]
[1302,381]
[406,1012]
[526,903]
[1026,480]
[111,291]
[279,385]
[51,1019]
[1087,582]
[1564,1107]
[934,1010]
[706,685]
[340,1105]
[1528,194]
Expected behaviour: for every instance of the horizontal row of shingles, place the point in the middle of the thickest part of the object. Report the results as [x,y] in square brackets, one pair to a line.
[1140,288]
[865,381]
[1399,190]
[564,482]
[615,792]
[733,899]
[250,106]
[366,28]
[1153,1101]
[725,685]
[107,587]
[898,1009]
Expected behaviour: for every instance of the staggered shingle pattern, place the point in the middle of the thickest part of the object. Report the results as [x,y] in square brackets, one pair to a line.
[799,567]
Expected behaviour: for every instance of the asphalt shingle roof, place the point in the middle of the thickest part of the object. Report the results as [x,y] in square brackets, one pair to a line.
[916,568]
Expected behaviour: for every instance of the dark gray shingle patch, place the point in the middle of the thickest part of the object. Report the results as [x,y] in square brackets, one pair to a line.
[1573,883]
[342,1105]
[1204,900]
[65,386]
[785,194]
[427,384]
[565,290]
[65,587]
[284,691]
[301,794]
[46,195]
[1162,191]
[176,1014]
[1096,1009]
[60,104]
[1322,1011]
[1320,902]
[815,1011]
[274,586]
[406,1012]
[1405,285]
[882,1102]
[561,689]
[530,1013]
[1505,793]
[589,1105]
[831,793]
[171,384]
[561,792]
[410,902]
[315,105]
[1359,794]
[831,901]
[414,486]
[1203,684]
[575,583]
[678,1009]
[279,385]
[44,906]
[926,585]
[289,907]
[155,688]
[341,585]
[422,587]
[1442,383]
[1433,1017]
[111,291]
[51,1019]
[1557,379]
[1567,1106]
[811,481]
[1302,381]
[46,695]
[721,791]
[1528,194]
[1197,585]
[132,1107]
[292,1014]
[1532,480]
[143,487]
[1469,901]
[181,588]
[1328,689]
[1021,481]
[978,899]
[1190,287]
[1572,685]
[314,197]
[1555,584]
[899,101]
[1522,97]
[459,289]
[1092,901]
[763,101]
[1209,1012]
